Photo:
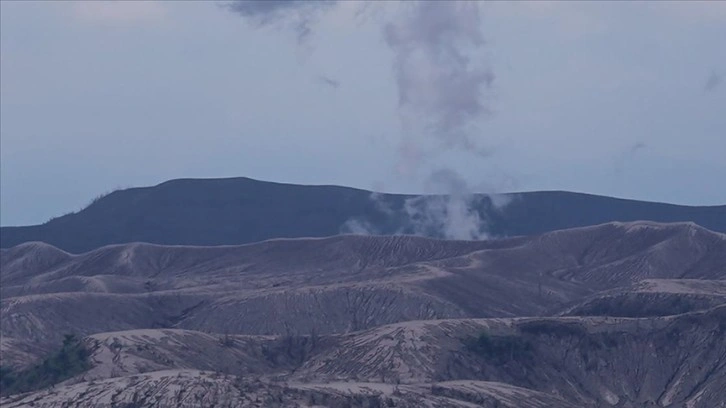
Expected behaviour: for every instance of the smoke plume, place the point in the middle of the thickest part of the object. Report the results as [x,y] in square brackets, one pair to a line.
[625,157]
[712,82]
[451,213]
[328,81]
[359,227]
[302,14]
[441,82]
[441,96]
[440,88]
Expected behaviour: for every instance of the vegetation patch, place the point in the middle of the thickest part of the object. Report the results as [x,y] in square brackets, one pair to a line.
[71,360]
[499,349]
[553,328]
[290,350]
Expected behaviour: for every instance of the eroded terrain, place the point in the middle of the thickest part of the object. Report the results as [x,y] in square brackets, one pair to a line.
[620,314]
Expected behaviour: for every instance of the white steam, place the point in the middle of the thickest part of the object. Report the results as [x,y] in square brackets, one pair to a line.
[442,94]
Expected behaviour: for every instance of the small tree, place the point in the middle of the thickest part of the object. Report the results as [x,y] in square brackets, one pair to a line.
[69,361]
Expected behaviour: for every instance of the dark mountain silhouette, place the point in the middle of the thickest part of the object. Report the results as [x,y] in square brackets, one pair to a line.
[241,210]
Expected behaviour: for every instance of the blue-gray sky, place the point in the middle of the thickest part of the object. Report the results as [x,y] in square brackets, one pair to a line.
[613,98]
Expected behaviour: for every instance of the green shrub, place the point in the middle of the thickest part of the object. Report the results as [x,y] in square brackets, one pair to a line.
[69,361]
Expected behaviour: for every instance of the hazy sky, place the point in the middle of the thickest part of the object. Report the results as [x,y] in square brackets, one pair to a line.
[623,99]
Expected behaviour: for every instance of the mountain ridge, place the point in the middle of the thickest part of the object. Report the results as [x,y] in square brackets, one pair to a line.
[233,211]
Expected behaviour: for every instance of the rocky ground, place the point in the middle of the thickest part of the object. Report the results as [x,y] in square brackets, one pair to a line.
[621,315]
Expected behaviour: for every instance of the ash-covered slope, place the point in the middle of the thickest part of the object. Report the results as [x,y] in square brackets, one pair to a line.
[339,284]
[241,210]
[194,389]
[675,361]
[588,361]
[653,297]
[613,315]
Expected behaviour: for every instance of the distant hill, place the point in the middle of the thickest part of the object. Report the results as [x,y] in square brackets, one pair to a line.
[241,210]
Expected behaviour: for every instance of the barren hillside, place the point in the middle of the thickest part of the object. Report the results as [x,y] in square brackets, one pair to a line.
[524,362]
[619,314]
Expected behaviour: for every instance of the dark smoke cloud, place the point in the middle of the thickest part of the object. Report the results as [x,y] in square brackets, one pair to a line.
[302,13]
[327,81]
[637,146]
[626,156]
[712,82]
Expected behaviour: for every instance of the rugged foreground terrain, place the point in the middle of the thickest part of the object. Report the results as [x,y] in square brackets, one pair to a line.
[619,314]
